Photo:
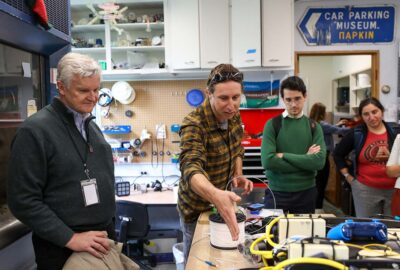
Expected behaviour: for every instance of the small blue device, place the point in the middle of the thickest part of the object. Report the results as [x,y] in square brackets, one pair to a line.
[255,208]
[117,129]
[175,128]
[350,230]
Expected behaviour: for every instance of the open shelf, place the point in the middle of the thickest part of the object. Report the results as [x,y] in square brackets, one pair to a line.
[361,88]
[349,90]
[86,28]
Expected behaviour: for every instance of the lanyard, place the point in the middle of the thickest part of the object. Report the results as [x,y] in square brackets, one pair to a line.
[87,149]
[83,158]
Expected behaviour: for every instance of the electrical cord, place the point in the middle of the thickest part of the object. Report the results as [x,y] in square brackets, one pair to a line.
[258,179]
[152,153]
[208,262]
[386,252]
[318,261]
[134,180]
[162,160]
[105,98]
[169,186]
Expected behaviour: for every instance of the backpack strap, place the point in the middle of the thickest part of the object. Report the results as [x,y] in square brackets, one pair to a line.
[277,124]
[358,138]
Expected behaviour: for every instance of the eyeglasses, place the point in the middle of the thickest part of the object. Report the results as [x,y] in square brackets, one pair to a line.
[295,100]
[226,76]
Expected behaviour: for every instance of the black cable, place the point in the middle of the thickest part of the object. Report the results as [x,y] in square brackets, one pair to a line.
[312,226]
[172,175]
[134,180]
[162,160]
[152,153]
[105,98]
[287,227]
[333,251]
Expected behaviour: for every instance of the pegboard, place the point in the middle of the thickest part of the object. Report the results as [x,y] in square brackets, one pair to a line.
[156,102]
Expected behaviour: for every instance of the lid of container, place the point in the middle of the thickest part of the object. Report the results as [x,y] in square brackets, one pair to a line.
[218,219]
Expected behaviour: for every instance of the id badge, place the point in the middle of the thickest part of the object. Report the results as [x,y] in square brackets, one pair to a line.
[90,192]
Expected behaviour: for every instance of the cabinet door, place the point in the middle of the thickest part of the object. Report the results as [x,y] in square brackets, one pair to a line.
[14,59]
[277,29]
[214,32]
[183,34]
[2,60]
[246,33]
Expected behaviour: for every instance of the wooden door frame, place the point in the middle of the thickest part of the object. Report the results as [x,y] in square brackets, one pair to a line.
[334,191]
[374,64]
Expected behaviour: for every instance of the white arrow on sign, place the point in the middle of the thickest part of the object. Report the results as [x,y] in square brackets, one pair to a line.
[310,25]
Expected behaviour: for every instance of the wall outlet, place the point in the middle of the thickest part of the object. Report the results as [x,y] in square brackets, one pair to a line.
[161,132]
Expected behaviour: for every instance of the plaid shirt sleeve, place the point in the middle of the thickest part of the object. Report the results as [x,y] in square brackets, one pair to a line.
[193,153]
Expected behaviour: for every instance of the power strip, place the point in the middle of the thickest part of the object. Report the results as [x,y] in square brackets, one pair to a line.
[299,226]
[295,250]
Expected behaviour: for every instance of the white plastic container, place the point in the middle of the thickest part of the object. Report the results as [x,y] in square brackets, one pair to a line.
[363,79]
[177,250]
[136,59]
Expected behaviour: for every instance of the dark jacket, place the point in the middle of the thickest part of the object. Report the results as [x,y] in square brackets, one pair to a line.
[44,185]
[355,140]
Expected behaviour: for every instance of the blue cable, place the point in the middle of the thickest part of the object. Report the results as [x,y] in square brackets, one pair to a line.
[210,263]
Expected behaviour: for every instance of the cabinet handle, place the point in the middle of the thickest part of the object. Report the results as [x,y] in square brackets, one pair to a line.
[189,62]
[250,60]
[212,62]
[273,60]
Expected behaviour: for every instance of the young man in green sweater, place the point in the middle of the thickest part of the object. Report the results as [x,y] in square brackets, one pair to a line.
[292,154]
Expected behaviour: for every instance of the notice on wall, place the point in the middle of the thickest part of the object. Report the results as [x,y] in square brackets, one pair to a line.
[350,24]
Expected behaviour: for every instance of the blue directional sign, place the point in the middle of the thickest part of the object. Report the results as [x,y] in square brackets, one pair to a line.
[326,26]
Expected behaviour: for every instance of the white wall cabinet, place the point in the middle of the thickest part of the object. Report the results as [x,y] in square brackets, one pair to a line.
[245,33]
[135,43]
[277,33]
[228,31]
[198,34]
[183,34]
[214,32]
[13,59]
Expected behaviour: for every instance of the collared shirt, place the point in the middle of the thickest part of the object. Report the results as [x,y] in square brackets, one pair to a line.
[79,120]
[209,150]
[286,114]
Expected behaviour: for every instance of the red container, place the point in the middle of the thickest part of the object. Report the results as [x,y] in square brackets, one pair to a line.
[254,121]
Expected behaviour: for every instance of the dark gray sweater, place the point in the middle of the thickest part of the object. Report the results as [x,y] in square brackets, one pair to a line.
[44,190]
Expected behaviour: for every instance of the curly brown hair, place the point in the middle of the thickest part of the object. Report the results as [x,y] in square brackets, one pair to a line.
[223,73]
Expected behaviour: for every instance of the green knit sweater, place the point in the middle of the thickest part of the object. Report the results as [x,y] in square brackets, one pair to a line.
[296,170]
